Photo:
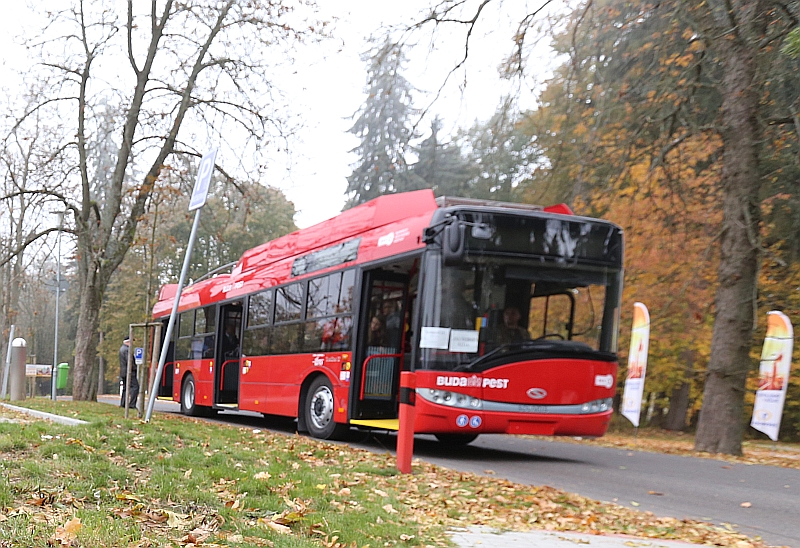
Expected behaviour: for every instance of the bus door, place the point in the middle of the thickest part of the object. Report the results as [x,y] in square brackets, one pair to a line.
[167,376]
[228,350]
[380,346]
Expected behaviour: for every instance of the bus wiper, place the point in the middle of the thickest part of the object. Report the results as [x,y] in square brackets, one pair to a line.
[497,351]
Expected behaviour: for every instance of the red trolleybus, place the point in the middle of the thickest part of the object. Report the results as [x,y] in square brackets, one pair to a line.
[507,313]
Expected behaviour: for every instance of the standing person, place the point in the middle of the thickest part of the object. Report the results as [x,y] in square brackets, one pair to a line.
[394,323]
[124,352]
[230,342]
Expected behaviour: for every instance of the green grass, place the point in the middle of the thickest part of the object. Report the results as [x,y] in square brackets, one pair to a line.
[176,481]
[152,484]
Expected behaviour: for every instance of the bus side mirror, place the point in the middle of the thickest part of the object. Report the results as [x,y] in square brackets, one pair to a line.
[453,243]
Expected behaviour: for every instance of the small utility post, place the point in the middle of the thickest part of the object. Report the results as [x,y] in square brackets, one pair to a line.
[8,364]
[198,200]
[19,355]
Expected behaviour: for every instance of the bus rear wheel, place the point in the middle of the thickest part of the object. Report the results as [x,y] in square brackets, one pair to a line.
[318,408]
[456,440]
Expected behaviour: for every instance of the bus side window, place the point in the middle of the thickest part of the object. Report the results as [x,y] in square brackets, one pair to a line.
[288,331]
[205,320]
[255,341]
[344,333]
[183,346]
[285,338]
[328,298]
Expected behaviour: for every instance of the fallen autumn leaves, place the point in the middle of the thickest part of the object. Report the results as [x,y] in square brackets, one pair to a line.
[180,482]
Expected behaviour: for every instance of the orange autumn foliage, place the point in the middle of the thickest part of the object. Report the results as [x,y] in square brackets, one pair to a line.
[670,213]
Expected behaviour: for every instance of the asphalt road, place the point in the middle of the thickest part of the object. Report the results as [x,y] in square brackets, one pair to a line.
[667,485]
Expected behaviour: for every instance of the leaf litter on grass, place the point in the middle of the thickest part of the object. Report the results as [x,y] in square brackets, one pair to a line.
[250,487]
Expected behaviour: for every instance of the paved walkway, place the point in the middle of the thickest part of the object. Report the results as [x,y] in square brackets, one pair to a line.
[42,415]
[479,537]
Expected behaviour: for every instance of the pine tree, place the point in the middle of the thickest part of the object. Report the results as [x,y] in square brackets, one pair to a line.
[383,125]
[441,165]
[502,154]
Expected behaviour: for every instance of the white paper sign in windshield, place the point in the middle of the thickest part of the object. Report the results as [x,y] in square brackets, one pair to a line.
[464,340]
[435,337]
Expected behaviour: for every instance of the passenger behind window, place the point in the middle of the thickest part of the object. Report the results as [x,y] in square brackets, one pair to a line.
[197,349]
[377,332]
[510,331]
[230,342]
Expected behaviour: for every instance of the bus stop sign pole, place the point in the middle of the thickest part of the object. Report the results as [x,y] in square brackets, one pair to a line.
[196,204]
[405,436]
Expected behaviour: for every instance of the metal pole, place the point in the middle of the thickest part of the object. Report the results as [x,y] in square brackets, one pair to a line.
[148,374]
[141,370]
[171,325]
[54,372]
[8,363]
[101,374]
[154,360]
[126,392]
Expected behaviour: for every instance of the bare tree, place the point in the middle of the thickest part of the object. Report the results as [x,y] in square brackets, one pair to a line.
[172,72]
[27,165]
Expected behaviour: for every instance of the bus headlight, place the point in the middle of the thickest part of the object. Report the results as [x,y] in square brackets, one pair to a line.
[450,399]
[597,406]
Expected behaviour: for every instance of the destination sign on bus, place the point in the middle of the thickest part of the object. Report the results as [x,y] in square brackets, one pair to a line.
[567,239]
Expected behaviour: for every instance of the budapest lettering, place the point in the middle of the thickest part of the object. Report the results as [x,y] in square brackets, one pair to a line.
[471,382]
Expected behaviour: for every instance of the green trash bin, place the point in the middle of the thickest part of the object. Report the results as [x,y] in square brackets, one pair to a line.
[63,371]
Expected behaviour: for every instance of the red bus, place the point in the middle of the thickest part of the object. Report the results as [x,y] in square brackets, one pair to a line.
[508,314]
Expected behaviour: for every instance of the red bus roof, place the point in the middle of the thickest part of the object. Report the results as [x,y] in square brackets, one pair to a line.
[376,213]
[388,225]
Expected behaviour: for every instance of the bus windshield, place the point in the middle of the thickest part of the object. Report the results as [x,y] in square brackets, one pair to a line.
[489,306]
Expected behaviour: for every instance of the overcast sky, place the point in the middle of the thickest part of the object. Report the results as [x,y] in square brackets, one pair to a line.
[334,85]
[328,88]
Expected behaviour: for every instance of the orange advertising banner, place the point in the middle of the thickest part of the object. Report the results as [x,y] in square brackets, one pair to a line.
[637,364]
[773,375]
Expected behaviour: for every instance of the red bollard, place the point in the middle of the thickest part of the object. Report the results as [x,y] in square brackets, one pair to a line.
[405,436]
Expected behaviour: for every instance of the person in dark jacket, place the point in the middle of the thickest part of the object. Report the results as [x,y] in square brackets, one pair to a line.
[511,331]
[124,351]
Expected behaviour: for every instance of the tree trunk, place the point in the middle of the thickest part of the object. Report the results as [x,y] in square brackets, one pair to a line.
[84,384]
[678,407]
[720,428]
[679,400]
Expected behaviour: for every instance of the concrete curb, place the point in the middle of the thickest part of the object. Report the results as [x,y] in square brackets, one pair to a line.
[42,415]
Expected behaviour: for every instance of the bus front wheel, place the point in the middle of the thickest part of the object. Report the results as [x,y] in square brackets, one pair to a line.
[319,408]
[189,405]
[188,396]
[456,440]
